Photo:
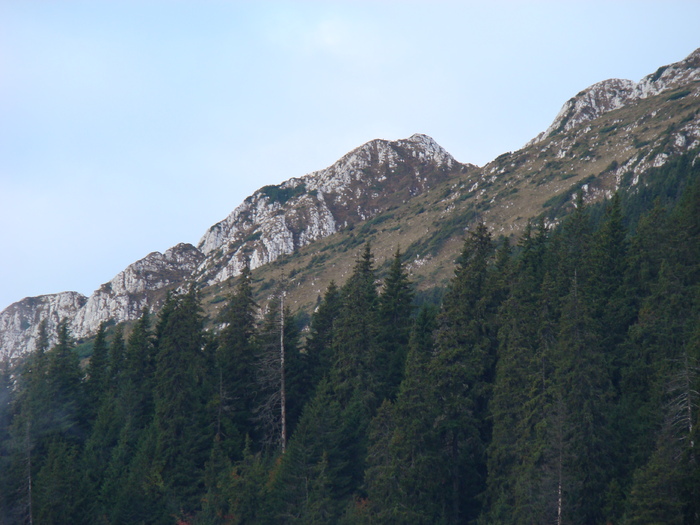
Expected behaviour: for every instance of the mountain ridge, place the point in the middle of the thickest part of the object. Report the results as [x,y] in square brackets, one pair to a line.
[411,193]
[611,94]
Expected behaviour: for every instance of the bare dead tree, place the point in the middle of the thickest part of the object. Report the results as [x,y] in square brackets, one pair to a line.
[271,413]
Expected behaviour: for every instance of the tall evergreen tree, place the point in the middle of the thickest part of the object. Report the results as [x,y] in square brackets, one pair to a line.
[182,432]
[395,320]
[64,390]
[236,355]
[512,476]
[355,345]
[322,332]
[583,382]
[404,478]
[97,372]
[461,373]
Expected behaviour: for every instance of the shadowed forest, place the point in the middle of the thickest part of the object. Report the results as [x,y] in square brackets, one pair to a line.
[555,380]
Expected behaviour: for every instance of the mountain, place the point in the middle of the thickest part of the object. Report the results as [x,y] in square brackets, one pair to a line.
[616,93]
[142,284]
[278,220]
[409,193]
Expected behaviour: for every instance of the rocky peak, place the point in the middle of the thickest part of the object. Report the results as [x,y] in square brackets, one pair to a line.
[20,322]
[670,77]
[613,94]
[277,220]
[142,284]
[124,297]
[590,104]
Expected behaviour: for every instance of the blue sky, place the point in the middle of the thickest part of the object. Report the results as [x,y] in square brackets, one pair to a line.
[129,126]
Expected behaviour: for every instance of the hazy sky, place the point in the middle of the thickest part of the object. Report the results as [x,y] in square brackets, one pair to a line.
[129,126]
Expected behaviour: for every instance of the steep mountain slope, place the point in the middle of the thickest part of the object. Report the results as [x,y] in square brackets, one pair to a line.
[278,220]
[20,322]
[408,193]
[617,150]
[612,94]
[143,283]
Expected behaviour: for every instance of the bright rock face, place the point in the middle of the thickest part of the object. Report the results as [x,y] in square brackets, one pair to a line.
[141,284]
[274,221]
[20,322]
[277,220]
[613,94]
[124,297]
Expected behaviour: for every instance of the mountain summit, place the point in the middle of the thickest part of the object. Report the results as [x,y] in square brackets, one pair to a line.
[278,220]
[615,93]
[408,193]
[274,221]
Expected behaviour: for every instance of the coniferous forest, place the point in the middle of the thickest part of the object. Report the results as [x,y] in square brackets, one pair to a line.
[555,382]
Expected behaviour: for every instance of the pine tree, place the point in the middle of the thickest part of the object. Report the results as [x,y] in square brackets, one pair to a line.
[322,334]
[64,391]
[137,380]
[245,489]
[28,431]
[236,363]
[583,382]
[182,433]
[6,416]
[461,373]
[404,478]
[59,491]
[319,435]
[395,320]
[511,474]
[97,373]
[355,346]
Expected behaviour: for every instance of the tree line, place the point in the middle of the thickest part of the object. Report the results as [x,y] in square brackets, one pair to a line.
[557,382]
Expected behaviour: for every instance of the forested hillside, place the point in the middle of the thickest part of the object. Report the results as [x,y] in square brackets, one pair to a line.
[555,382]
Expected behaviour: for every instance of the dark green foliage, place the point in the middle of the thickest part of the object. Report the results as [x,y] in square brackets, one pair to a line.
[555,382]
[404,478]
[234,400]
[354,370]
[182,427]
[97,372]
[59,492]
[282,195]
[395,320]
[322,334]
[461,373]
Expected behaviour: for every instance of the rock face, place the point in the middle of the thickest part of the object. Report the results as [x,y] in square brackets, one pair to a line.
[138,286]
[277,220]
[612,94]
[274,221]
[615,131]
[144,283]
[20,322]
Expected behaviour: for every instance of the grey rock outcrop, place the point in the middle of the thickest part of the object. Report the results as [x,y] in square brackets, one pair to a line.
[20,322]
[609,95]
[277,220]
[142,284]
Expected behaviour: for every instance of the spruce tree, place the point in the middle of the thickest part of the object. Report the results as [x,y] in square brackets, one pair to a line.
[182,433]
[395,320]
[97,373]
[322,333]
[355,346]
[583,382]
[511,473]
[461,373]
[235,392]
[64,389]
[404,477]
